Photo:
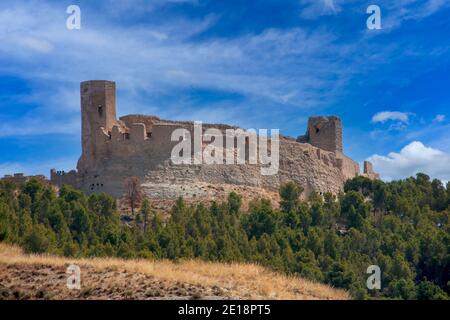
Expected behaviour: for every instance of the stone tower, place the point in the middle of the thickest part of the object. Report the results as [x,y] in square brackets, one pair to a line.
[98,112]
[325,133]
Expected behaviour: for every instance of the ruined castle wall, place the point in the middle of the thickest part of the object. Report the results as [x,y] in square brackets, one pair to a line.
[149,159]
[313,168]
[138,145]
[147,120]
[368,167]
[60,178]
[369,172]
[122,155]
[350,168]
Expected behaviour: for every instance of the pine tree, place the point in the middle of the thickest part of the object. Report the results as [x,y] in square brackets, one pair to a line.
[290,196]
[234,202]
[146,212]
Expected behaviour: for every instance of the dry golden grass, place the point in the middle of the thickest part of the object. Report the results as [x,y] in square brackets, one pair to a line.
[244,281]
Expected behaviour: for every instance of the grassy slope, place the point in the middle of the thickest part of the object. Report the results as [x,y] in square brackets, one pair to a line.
[43,276]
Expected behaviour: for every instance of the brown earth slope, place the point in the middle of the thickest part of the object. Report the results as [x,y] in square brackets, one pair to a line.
[44,277]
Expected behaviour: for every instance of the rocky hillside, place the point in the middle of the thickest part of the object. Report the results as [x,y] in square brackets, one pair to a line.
[44,277]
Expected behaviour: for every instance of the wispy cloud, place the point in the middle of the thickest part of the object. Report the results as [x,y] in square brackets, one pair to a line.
[158,59]
[290,68]
[396,13]
[313,9]
[39,45]
[385,116]
[439,118]
[412,159]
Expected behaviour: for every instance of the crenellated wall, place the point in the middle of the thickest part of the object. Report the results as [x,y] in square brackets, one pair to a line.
[60,178]
[139,145]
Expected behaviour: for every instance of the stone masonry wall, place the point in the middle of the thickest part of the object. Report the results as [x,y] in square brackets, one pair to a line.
[138,145]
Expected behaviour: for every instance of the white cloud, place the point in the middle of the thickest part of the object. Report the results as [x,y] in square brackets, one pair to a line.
[412,159]
[394,13]
[316,8]
[430,7]
[329,4]
[439,118]
[35,44]
[384,116]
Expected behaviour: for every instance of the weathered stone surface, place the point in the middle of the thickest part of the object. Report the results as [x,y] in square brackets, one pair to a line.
[138,145]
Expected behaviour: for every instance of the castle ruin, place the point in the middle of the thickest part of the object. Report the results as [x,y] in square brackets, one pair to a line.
[114,150]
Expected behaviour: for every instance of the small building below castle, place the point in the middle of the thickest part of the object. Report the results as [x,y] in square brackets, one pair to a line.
[21,178]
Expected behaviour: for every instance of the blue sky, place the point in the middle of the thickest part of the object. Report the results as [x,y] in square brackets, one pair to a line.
[256,64]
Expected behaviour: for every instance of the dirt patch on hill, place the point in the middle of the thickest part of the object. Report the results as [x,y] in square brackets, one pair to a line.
[44,277]
[40,281]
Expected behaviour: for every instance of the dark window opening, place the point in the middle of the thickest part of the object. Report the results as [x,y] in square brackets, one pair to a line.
[126,136]
[149,134]
[100,110]
[317,130]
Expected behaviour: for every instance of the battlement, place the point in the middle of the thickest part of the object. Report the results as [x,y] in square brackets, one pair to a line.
[140,145]
[60,177]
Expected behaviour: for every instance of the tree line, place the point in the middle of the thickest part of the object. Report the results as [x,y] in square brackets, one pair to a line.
[401,226]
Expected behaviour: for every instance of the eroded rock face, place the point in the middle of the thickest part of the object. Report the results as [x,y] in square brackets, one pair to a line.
[138,145]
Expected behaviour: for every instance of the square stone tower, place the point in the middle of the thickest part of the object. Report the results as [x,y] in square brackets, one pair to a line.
[98,112]
[325,133]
